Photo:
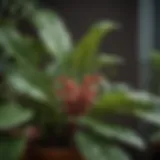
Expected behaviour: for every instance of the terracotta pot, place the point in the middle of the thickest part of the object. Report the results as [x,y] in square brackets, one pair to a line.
[38,153]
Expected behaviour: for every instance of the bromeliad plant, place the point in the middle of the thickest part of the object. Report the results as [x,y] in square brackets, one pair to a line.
[67,93]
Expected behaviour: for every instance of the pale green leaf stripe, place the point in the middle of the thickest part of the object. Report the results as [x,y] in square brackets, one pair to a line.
[151,117]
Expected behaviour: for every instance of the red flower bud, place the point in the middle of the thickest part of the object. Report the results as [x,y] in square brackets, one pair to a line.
[78,98]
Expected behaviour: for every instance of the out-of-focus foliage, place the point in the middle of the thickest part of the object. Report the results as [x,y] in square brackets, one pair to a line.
[31,85]
[12,148]
[12,114]
[94,148]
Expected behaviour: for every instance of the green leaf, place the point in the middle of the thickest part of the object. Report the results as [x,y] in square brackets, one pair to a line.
[24,77]
[151,117]
[27,57]
[12,148]
[124,101]
[23,86]
[84,55]
[123,135]
[52,32]
[112,100]
[120,87]
[89,148]
[19,47]
[143,98]
[115,153]
[13,115]
[93,149]
[108,60]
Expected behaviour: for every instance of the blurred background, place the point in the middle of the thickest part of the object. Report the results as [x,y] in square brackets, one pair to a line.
[136,40]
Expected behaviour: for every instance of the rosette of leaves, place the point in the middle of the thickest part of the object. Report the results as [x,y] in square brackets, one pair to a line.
[97,139]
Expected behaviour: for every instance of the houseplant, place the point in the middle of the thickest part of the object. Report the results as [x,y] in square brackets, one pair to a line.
[65,93]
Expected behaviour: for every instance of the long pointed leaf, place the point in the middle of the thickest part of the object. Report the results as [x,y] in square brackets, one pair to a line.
[13,116]
[94,149]
[123,135]
[84,54]
[52,32]
[19,47]
[115,153]
[151,117]
[108,60]
[123,102]
[27,57]
[89,149]
[22,86]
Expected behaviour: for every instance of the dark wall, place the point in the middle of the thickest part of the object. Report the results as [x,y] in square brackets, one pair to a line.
[79,15]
